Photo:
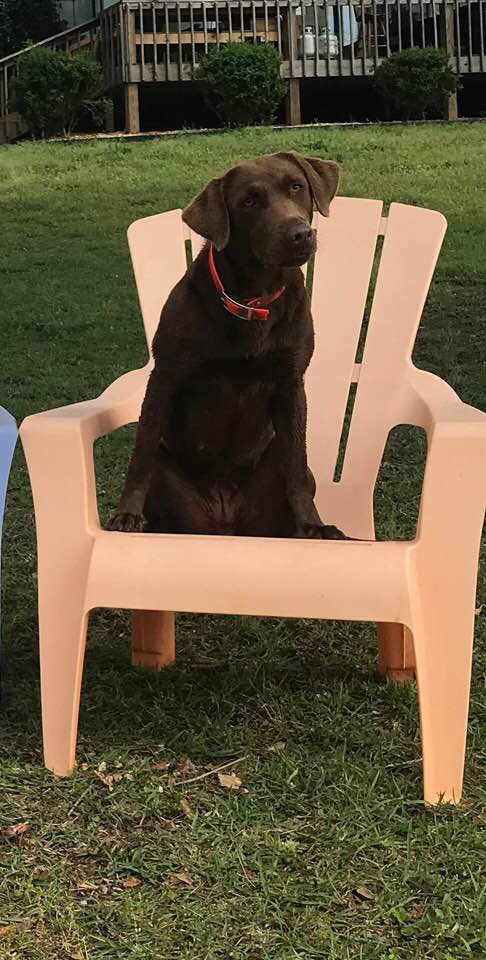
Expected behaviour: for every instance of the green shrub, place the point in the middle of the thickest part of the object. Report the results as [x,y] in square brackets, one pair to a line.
[241,83]
[416,82]
[55,90]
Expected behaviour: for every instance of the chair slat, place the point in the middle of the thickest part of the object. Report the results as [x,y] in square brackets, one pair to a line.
[342,271]
[197,243]
[159,261]
[412,244]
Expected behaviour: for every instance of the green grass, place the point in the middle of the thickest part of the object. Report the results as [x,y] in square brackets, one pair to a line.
[328,852]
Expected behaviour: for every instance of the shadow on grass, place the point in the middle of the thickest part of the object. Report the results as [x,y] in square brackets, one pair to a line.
[239,685]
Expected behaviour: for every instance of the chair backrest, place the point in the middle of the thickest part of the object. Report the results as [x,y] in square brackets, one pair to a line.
[347,258]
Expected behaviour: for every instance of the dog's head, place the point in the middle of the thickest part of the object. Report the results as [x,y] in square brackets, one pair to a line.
[264,207]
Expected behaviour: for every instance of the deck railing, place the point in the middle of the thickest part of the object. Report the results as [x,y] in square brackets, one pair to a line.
[161,40]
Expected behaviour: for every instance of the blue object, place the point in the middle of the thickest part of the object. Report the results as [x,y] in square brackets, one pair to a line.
[8,439]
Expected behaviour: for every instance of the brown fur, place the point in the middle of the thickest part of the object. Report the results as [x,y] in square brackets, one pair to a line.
[220,445]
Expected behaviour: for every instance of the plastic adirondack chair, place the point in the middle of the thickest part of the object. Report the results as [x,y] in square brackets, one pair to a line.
[8,439]
[420,592]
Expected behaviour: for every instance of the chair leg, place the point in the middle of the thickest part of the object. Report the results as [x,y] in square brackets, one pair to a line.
[396,655]
[62,640]
[153,639]
[443,637]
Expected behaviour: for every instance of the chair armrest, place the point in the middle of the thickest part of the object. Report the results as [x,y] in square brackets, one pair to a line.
[453,499]
[58,446]
[8,439]
[7,423]
[117,406]
[429,402]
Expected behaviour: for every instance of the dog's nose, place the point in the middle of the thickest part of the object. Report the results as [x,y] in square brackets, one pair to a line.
[301,234]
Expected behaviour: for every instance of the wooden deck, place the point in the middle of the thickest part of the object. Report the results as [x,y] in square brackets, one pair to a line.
[161,41]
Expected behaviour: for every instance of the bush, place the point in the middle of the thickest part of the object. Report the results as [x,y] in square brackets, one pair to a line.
[416,81]
[241,83]
[55,90]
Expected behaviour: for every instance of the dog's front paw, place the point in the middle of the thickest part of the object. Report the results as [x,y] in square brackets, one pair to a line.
[333,533]
[320,531]
[127,523]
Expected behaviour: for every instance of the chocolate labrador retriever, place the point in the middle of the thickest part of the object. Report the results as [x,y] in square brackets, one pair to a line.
[221,441]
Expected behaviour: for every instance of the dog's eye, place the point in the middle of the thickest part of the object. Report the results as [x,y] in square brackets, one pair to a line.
[249,202]
[296,187]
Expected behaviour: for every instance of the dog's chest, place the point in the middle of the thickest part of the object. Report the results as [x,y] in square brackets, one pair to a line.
[226,405]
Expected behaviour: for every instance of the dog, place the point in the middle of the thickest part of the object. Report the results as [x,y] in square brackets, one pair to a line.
[221,441]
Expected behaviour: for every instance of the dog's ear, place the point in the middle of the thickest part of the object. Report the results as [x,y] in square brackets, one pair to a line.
[208,214]
[322,177]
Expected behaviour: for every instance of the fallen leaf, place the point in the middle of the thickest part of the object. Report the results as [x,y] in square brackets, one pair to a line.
[170,825]
[40,930]
[105,778]
[277,747]
[290,845]
[417,910]
[249,873]
[102,767]
[16,830]
[363,893]
[186,768]
[229,780]
[130,882]
[186,807]
[118,765]
[479,610]
[184,878]
[162,766]
[20,927]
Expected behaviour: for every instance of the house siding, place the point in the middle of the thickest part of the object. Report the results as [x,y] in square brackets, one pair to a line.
[78,11]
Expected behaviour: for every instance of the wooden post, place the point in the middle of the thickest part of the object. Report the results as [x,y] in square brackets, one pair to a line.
[132,40]
[291,50]
[396,655]
[292,103]
[132,108]
[447,42]
[109,116]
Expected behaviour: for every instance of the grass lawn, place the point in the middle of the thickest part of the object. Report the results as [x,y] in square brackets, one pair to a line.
[327,851]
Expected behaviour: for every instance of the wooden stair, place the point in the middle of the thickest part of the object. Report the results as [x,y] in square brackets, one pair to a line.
[83,38]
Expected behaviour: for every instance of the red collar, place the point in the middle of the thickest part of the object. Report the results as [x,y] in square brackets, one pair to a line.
[255,309]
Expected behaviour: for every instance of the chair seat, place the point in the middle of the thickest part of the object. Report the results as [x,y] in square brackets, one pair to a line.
[246,575]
